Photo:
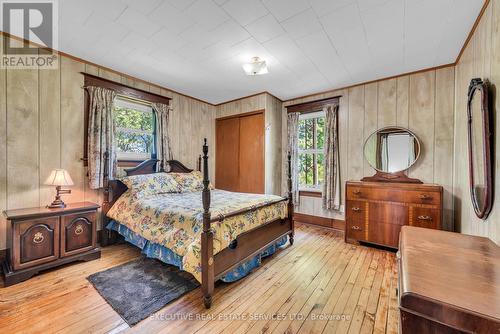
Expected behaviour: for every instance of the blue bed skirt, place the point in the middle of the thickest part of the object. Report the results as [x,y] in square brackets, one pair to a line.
[166,255]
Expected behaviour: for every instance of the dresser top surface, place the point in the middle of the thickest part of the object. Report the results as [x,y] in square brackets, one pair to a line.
[39,212]
[396,185]
[451,270]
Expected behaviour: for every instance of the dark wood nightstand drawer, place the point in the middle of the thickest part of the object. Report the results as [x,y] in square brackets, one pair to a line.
[78,233]
[35,242]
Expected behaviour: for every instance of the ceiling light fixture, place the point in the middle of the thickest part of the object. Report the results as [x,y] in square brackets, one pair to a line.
[255,67]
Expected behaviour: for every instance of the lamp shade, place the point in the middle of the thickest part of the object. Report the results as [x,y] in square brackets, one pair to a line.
[59,177]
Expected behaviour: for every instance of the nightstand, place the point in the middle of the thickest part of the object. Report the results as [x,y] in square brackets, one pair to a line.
[42,238]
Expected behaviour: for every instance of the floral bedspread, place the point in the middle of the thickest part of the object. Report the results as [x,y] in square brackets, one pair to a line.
[175,220]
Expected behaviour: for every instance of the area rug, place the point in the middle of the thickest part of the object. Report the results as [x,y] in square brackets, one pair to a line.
[141,287]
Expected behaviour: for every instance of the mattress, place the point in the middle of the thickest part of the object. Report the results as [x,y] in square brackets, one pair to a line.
[175,220]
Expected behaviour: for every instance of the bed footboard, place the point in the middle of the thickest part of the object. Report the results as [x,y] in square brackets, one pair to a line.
[246,245]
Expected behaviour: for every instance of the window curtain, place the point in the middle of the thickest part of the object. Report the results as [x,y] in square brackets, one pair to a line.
[163,151]
[293,148]
[101,136]
[331,185]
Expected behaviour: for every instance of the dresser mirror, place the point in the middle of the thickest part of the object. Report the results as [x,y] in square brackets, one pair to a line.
[391,151]
[480,151]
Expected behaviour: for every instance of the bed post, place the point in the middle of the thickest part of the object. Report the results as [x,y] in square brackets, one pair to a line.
[290,199]
[105,234]
[207,236]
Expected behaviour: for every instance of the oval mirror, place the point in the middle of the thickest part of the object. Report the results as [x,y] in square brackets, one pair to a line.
[392,149]
[479,137]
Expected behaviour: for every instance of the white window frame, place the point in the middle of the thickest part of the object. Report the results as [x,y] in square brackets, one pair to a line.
[143,106]
[316,114]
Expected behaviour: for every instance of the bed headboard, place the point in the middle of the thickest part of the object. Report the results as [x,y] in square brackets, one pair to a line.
[116,188]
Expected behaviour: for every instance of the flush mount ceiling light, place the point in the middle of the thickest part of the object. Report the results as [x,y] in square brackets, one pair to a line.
[255,67]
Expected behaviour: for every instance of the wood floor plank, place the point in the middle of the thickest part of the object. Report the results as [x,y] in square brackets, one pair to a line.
[234,295]
[300,293]
[393,316]
[276,293]
[319,297]
[342,325]
[315,321]
[295,290]
[383,304]
[296,303]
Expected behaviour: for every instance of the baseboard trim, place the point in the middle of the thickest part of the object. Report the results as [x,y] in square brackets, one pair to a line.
[333,223]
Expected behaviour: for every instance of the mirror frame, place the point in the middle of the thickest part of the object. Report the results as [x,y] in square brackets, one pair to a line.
[400,176]
[478,85]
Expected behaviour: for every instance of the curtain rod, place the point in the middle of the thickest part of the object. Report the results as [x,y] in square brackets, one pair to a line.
[315,101]
[307,107]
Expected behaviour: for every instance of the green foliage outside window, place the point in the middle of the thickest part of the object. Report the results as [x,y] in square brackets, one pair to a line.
[134,130]
[311,139]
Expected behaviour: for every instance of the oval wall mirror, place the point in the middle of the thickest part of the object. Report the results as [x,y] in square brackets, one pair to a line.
[480,151]
[391,151]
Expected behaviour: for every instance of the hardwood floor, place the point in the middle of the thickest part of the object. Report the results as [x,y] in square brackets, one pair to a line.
[319,285]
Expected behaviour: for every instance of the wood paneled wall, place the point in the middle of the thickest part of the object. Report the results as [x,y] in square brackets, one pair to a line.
[41,128]
[480,59]
[241,106]
[422,102]
[272,119]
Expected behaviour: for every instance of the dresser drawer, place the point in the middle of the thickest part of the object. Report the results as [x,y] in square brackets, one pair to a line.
[423,197]
[78,233]
[425,217]
[356,211]
[356,230]
[393,195]
[35,242]
[375,194]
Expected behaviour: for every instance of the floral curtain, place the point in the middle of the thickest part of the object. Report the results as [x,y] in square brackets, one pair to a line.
[293,148]
[331,185]
[101,133]
[163,151]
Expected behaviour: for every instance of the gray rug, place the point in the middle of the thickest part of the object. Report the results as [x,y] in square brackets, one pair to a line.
[141,287]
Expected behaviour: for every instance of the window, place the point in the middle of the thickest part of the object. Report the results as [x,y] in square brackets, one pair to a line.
[135,129]
[311,157]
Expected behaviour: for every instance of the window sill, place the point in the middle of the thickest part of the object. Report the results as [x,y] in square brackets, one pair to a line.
[310,193]
[129,162]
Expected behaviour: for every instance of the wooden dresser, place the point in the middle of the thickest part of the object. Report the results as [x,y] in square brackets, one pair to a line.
[42,238]
[375,211]
[448,282]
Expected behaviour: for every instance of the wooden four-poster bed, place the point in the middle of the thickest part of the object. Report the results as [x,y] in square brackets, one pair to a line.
[244,247]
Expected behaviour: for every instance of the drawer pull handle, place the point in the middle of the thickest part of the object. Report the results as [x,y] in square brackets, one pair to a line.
[356,228]
[425,196]
[356,209]
[356,192]
[38,238]
[424,218]
[78,229]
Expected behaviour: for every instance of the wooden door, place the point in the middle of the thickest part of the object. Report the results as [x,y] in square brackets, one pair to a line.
[227,153]
[251,154]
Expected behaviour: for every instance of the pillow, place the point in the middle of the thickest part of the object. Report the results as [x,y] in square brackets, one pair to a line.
[151,184]
[190,181]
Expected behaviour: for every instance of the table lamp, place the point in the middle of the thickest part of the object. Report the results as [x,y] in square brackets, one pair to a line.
[59,178]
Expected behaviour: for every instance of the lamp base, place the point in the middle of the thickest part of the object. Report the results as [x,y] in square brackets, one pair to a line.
[56,204]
